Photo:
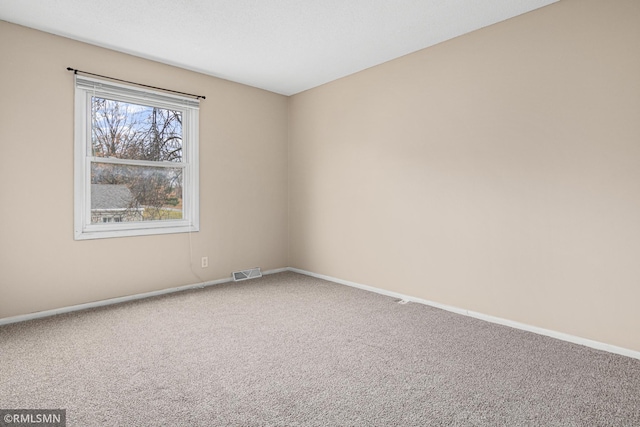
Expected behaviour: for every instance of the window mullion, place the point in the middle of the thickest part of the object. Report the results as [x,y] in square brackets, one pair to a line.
[129,162]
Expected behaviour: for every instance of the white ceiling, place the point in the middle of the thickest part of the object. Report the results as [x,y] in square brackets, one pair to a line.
[285,46]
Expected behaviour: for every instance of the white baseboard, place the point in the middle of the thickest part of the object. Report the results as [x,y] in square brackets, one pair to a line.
[275,270]
[110,301]
[506,322]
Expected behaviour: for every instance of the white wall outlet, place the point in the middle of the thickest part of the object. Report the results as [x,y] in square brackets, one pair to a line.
[205,261]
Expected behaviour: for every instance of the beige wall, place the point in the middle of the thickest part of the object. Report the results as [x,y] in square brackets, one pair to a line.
[243,181]
[498,172]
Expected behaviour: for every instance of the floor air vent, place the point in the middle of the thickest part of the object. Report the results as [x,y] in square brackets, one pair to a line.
[246,274]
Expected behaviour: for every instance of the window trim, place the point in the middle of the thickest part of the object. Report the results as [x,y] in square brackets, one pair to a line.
[85,88]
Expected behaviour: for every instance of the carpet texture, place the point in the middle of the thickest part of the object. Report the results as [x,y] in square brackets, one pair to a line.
[290,350]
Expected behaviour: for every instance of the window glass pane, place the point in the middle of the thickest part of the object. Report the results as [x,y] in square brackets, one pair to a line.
[123,193]
[132,131]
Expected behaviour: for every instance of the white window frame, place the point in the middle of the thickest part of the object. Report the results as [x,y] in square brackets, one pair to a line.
[85,88]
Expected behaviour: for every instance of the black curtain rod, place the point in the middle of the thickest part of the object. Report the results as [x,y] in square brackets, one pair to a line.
[137,84]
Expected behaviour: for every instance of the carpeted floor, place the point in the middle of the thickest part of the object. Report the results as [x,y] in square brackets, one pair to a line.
[290,350]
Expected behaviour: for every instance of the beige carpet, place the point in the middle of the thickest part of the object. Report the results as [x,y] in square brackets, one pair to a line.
[290,350]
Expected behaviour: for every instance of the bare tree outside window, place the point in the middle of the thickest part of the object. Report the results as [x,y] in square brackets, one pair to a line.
[121,130]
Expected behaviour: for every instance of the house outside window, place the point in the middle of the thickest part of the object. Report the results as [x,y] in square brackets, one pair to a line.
[113,203]
[136,161]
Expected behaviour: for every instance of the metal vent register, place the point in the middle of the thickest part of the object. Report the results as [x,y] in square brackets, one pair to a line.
[246,274]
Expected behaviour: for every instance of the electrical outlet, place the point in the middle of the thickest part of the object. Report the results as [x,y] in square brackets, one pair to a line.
[205,261]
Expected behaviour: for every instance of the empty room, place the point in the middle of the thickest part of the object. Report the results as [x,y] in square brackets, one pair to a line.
[320,213]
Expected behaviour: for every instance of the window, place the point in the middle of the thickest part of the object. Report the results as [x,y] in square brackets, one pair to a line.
[136,161]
